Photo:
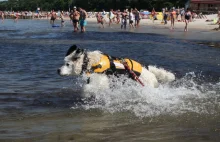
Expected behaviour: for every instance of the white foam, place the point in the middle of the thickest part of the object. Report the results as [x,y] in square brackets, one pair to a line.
[183,96]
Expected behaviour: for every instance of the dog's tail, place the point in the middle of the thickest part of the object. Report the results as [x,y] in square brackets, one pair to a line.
[161,74]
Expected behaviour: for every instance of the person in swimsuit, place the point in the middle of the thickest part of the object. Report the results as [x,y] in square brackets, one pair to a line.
[62,18]
[172,18]
[100,19]
[124,19]
[188,16]
[153,14]
[137,18]
[82,19]
[75,19]
[53,17]
[2,16]
[111,16]
[131,19]
[165,17]
[118,16]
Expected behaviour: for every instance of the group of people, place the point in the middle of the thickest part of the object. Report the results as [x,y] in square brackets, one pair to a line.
[177,15]
[131,17]
[78,18]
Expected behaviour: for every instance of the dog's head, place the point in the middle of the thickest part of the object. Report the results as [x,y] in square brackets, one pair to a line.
[73,62]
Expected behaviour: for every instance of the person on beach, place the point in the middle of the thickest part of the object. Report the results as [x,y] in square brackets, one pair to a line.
[172,18]
[53,17]
[131,19]
[16,16]
[100,19]
[188,16]
[104,15]
[118,16]
[2,16]
[137,18]
[182,13]
[75,19]
[165,17]
[153,14]
[111,16]
[82,19]
[124,19]
[62,19]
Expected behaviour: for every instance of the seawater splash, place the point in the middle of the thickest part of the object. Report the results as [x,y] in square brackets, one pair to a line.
[185,95]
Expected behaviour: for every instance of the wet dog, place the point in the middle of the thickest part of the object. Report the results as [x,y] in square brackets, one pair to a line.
[99,67]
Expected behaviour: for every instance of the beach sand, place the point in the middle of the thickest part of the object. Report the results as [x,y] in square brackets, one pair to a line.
[199,29]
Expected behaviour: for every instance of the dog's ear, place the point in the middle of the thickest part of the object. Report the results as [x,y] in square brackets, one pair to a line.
[78,51]
[71,50]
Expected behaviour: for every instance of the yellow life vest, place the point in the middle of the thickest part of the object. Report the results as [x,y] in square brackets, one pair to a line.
[111,65]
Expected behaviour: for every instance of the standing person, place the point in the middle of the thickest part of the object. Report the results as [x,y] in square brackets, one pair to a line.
[16,16]
[104,15]
[165,17]
[62,18]
[182,12]
[100,19]
[172,18]
[111,16]
[137,18]
[71,16]
[53,17]
[131,19]
[2,16]
[188,16]
[75,19]
[153,14]
[82,19]
[118,16]
[124,19]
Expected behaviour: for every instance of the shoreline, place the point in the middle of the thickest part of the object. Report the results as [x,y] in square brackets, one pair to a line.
[199,29]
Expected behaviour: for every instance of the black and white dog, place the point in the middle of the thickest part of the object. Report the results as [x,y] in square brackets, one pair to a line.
[99,66]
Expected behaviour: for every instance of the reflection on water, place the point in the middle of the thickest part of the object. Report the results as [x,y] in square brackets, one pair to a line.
[38,105]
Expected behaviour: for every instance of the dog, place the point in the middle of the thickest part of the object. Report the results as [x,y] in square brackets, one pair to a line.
[98,67]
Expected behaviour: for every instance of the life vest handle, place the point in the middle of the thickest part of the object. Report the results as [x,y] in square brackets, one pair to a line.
[131,72]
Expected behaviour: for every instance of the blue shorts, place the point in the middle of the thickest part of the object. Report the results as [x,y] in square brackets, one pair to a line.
[83,22]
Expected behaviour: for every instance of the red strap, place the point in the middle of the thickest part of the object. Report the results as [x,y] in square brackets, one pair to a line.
[131,72]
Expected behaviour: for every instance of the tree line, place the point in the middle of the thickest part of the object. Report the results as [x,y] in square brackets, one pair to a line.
[89,5]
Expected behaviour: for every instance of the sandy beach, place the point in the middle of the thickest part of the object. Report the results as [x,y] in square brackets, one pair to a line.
[199,29]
